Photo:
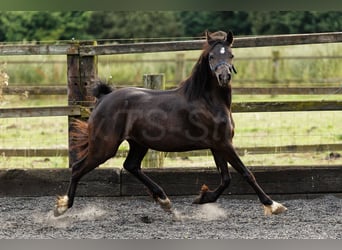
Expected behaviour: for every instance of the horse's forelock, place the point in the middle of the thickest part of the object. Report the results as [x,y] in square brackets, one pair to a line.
[219,37]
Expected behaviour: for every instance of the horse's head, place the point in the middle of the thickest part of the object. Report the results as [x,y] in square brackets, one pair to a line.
[220,57]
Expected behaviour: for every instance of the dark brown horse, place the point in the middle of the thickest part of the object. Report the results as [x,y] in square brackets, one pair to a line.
[196,115]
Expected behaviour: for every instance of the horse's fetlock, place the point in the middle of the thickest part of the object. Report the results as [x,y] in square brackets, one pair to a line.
[226,181]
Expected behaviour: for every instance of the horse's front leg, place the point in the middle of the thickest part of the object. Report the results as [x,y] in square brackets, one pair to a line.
[207,195]
[270,206]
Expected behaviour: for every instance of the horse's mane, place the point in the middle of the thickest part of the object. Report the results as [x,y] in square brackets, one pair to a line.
[197,83]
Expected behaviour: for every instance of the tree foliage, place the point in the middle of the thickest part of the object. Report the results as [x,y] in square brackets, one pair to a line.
[290,22]
[81,25]
[43,25]
[195,23]
[139,24]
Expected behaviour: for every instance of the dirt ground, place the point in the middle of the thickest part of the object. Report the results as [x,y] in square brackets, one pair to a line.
[140,218]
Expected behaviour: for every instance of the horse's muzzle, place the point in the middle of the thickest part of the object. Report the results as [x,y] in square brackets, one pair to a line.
[223,74]
[224,79]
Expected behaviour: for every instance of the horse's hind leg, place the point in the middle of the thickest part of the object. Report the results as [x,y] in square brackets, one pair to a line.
[66,201]
[133,165]
[206,195]
[80,168]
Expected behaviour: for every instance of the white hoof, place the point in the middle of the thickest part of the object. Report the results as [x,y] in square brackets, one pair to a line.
[61,205]
[275,208]
[165,204]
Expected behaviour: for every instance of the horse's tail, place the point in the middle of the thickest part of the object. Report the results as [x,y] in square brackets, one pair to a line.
[79,138]
[79,133]
[101,89]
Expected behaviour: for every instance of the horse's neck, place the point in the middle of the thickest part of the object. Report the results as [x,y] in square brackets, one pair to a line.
[229,96]
[222,94]
[213,95]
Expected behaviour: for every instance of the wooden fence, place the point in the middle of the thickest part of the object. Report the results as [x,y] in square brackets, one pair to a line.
[82,60]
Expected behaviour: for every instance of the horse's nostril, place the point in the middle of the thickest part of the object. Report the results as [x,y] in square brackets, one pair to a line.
[226,77]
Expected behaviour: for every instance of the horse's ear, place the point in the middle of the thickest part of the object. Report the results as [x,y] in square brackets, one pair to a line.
[229,37]
[210,40]
[207,36]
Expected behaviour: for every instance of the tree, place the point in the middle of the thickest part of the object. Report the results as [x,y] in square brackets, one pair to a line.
[237,21]
[134,24]
[73,24]
[272,22]
[43,25]
[12,28]
[196,22]
[290,22]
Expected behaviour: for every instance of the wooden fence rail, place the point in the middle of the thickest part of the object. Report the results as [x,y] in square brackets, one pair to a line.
[82,49]
[62,90]
[259,41]
[64,152]
[167,60]
[289,106]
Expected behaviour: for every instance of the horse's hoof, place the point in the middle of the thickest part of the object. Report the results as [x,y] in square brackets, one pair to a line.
[165,204]
[203,193]
[197,200]
[275,208]
[61,205]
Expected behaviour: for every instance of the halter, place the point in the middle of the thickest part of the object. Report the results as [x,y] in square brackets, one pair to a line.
[230,66]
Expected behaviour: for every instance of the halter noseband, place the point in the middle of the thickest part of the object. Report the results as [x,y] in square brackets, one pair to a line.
[230,66]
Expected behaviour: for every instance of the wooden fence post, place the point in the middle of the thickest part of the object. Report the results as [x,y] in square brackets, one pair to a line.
[154,159]
[275,66]
[180,67]
[81,73]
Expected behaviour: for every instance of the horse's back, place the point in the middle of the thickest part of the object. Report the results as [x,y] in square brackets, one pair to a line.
[133,98]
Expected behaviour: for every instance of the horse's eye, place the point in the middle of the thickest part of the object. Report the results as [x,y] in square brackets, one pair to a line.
[231,56]
[211,57]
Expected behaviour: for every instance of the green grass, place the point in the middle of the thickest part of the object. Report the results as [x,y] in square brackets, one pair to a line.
[287,128]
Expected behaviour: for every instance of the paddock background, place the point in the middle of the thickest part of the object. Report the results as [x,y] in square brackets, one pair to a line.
[82,62]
